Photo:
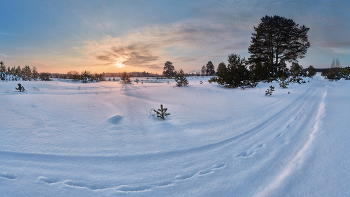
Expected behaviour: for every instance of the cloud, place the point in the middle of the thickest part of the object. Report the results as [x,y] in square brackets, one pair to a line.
[219,28]
[151,46]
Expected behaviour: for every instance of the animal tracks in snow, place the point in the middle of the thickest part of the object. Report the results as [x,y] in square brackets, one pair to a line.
[251,151]
[135,188]
[8,176]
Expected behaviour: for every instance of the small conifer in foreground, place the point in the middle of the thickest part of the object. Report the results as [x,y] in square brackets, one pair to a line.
[283,83]
[20,88]
[268,92]
[125,78]
[181,79]
[161,113]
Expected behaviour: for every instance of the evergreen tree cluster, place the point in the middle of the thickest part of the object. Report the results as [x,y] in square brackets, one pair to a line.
[85,76]
[276,40]
[335,74]
[18,73]
[181,79]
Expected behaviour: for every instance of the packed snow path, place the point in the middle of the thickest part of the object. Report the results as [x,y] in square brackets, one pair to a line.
[99,139]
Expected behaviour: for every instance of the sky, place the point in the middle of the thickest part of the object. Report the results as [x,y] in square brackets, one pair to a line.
[138,35]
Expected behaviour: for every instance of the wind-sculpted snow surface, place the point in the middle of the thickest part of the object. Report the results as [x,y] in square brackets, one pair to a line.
[102,139]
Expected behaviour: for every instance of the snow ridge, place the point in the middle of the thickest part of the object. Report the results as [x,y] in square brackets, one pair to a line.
[300,156]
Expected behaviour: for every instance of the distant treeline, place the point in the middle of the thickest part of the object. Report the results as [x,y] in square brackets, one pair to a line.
[24,74]
[336,73]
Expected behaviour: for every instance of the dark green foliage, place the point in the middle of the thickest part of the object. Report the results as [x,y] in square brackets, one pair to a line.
[268,92]
[35,74]
[181,79]
[26,73]
[161,113]
[333,74]
[85,76]
[204,70]
[44,76]
[276,40]
[213,79]
[283,83]
[20,87]
[210,69]
[235,72]
[311,71]
[125,78]
[2,71]
[168,70]
[279,39]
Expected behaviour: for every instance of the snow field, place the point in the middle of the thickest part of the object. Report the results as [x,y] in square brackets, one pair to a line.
[99,139]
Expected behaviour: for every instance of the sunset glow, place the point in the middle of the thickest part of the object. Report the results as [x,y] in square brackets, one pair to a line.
[119,64]
[98,36]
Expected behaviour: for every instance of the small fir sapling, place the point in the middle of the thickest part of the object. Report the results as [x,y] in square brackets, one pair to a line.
[20,88]
[283,83]
[268,92]
[181,79]
[161,113]
[125,78]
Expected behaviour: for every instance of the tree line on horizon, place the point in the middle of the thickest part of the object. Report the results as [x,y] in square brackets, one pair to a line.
[24,74]
[276,40]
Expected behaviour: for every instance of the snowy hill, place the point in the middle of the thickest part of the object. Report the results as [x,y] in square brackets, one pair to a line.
[63,138]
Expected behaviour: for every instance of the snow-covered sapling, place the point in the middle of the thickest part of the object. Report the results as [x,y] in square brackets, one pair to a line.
[283,83]
[125,78]
[161,113]
[181,79]
[268,92]
[20,88]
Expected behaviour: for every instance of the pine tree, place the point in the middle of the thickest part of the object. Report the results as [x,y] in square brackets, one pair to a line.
[181,79]
[125,78]
[283,83]
[168,70]
[20,88]
[161,113]
[204,70]
[35,74]
[210,69]
[278,39]
[268,92]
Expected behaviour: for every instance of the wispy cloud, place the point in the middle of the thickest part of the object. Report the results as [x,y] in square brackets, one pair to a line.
[4,55]
[150,46]
[218,29]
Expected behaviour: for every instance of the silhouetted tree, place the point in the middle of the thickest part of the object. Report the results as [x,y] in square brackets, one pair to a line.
[20,88]
[2,71]
[44,76]
[278,39]
[26,73]
[168,70]
[204,70]
[311,71]
[35,74]
[335,63]
[161,113]
[181,79]
[210,69]
[125,78]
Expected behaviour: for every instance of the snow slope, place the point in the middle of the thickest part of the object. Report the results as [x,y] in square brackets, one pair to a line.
[66,138]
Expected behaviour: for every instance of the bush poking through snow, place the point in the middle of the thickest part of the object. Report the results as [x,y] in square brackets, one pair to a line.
[20,88]
[283,83]
[125,78]
[268,92]
[161,113]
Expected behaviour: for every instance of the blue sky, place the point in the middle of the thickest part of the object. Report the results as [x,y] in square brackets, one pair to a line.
[61,35]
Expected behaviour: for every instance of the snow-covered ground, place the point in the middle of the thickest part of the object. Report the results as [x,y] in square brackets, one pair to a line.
[63,138]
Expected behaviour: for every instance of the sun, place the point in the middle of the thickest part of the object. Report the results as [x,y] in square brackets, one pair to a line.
[119,64]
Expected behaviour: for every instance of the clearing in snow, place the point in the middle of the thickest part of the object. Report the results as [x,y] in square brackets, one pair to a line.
[64,138]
